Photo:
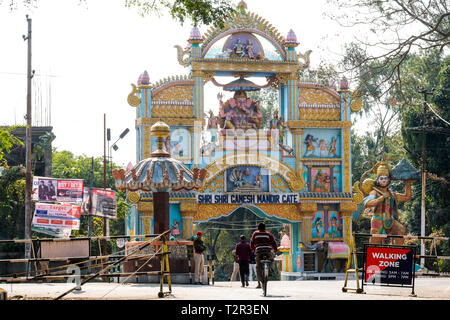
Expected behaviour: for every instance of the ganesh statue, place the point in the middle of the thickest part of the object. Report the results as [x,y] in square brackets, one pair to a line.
[240,112]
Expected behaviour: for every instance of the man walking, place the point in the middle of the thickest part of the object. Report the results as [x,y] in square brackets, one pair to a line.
[235,272]
[199,248]
[243,255]
[252,267]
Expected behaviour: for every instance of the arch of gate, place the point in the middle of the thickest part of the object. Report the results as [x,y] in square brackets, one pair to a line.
[294,180]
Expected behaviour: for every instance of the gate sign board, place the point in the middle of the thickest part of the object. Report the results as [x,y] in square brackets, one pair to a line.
[266,197]
[389,265]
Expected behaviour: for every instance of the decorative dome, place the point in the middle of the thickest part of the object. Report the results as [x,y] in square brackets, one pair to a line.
[343,85]
[291,38]
[159,174]
[195,35]
[144,79]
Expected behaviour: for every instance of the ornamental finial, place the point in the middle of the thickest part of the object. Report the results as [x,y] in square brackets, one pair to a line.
[242,5]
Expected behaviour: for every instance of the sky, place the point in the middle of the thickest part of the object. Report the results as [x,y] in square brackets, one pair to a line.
[86,56]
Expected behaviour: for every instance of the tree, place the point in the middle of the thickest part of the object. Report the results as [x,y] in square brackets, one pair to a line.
[7,142]
[437,115]
[12,202]
[197,11]
[399,28]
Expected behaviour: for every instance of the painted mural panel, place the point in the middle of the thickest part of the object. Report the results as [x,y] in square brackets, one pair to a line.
[334,225]
[321,143]
[247,179]
[320,179]
[243,45]
[318,230]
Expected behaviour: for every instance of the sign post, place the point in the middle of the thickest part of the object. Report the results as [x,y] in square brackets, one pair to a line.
[389,265]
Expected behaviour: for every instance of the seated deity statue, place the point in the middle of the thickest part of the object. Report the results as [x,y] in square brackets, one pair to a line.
[240,112]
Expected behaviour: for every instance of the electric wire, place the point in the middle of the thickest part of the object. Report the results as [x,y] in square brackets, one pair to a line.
[437,115]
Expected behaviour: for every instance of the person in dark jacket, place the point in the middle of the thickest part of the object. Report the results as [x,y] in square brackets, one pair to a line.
[262,243]
[243,255]
[199,248]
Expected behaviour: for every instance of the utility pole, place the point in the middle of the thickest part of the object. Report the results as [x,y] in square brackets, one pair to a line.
[105,220]
[29,178]
[91,185]
[424,173]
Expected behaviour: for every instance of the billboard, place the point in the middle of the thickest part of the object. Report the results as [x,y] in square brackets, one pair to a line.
[56,219]
[99,202]
[57,190]
[389,264]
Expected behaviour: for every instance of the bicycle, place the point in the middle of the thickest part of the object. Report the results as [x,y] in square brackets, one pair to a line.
[265,272]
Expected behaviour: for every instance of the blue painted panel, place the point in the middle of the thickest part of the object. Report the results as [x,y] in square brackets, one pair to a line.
[335,225]
[318,230]
[149,104]
[176,223]
[322,143]
[247,178]
[294,245]
[337,178]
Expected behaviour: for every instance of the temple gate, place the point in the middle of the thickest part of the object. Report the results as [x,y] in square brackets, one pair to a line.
[296,169]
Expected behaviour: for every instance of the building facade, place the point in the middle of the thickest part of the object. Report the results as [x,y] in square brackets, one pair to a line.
[295,169]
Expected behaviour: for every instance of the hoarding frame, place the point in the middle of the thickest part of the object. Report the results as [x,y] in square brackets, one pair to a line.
[413,271]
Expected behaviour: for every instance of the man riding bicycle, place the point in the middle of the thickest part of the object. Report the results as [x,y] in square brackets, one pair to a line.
[263,244]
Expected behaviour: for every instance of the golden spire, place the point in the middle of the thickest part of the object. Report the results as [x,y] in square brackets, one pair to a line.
[160,130]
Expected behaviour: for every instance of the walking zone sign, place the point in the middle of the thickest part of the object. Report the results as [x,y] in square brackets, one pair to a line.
[389,265]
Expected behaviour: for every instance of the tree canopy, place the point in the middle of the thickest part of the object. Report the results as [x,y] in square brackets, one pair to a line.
[197,11]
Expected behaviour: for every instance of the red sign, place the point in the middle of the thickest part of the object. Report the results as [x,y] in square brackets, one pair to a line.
[389,265]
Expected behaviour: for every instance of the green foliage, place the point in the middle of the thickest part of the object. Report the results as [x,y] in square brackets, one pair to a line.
[12,200]
[7,142]
[437,155]
[198,11]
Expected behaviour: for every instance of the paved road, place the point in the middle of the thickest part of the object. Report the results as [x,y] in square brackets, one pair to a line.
[425,289]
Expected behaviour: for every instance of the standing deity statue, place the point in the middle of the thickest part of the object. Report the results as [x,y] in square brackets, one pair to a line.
[382,203]
[213,125]
[276,126]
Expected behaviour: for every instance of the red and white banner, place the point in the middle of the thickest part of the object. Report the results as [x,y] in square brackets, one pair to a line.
[57,216]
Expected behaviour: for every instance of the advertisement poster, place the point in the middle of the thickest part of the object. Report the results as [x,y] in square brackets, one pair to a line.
[104,203]
[56,216]
[57,190]
[389,265]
